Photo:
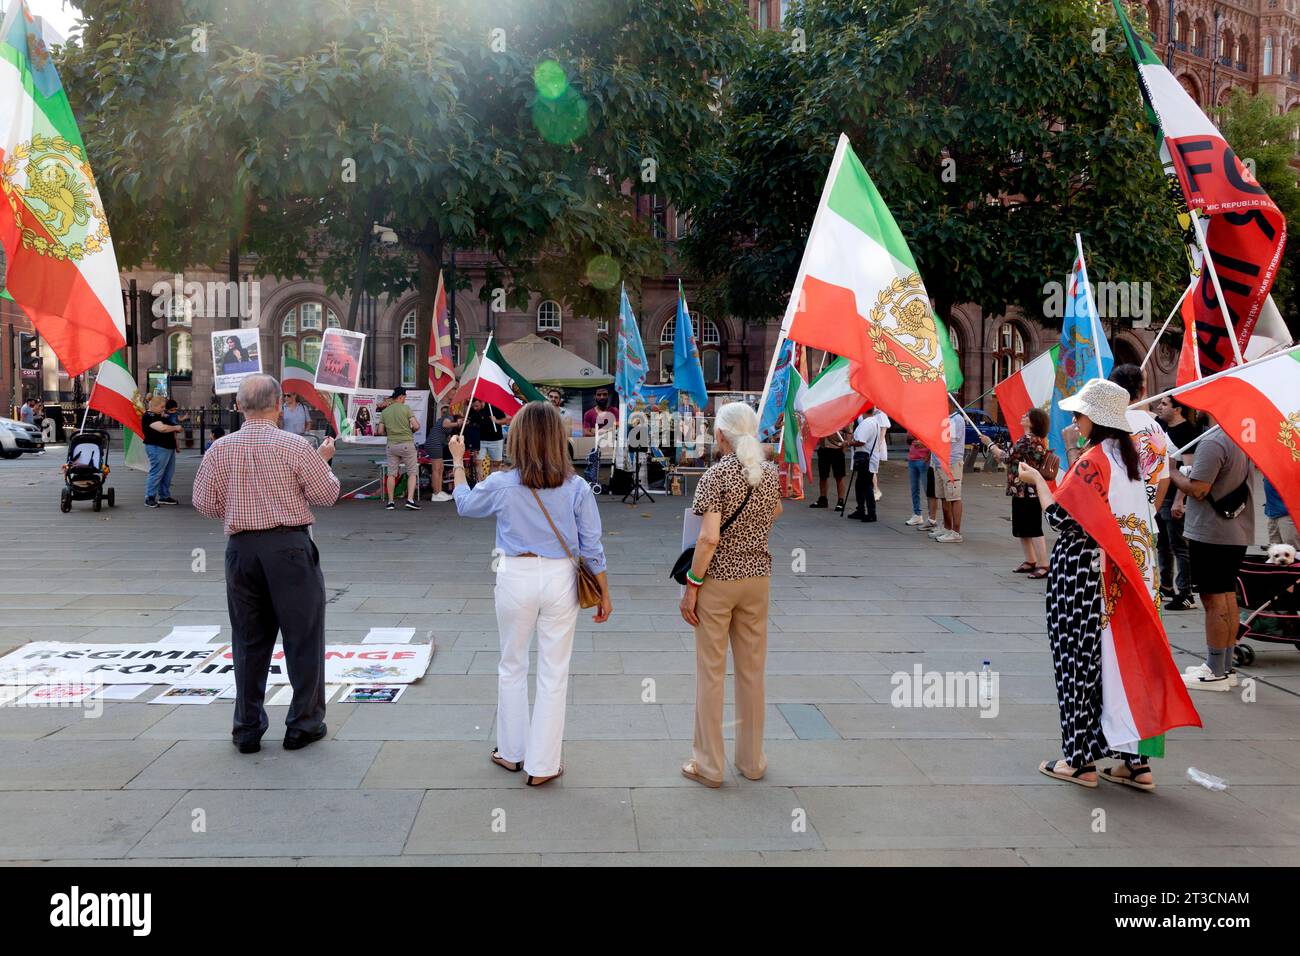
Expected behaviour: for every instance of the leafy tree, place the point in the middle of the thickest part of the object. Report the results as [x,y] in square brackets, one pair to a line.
[1034,118]
[1257,132]
[508,127]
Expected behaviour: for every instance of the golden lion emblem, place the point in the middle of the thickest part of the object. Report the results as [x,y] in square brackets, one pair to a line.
[59,195]
[902,315]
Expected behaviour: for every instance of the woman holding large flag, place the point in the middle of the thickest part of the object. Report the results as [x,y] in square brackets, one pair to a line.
[1116,682]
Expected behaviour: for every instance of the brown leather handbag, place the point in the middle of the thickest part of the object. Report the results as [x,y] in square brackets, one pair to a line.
[589,590]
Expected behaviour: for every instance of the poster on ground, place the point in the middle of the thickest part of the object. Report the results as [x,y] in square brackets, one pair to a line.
[339,367]
[363,413]
[344,664]
[54,662]
[236,354]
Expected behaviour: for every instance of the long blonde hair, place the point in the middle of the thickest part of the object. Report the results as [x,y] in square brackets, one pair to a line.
[739,424]
[538,446]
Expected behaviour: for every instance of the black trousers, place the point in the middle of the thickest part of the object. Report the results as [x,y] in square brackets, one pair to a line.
[865,488]
[274,585]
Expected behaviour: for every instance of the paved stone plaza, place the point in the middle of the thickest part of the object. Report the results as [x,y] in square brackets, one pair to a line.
[411,782]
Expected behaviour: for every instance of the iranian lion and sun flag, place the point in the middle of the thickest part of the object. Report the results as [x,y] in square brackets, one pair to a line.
[61,268]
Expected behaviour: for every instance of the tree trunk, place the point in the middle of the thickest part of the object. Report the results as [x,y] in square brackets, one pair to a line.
[233,265]
[365,240]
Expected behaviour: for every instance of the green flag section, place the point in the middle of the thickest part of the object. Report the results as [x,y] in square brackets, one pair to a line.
[859,295]
[61,268]
[830,402]
[116,395]
[952,376]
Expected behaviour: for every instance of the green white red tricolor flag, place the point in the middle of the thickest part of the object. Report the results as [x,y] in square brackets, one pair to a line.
[1031,387]
[1258,407]
[1142,692]
[116,395]
[299,378]
[442,371]
[496,382]
[859,295]
[62,270]
[1245,232]
[829,403]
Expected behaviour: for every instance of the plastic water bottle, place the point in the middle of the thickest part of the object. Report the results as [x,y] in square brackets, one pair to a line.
[1206,780]
[986,683]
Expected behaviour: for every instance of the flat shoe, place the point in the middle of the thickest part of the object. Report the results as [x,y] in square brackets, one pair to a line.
[502,762]
[691,772]
[1048,769]
[1131,781]
[539,781]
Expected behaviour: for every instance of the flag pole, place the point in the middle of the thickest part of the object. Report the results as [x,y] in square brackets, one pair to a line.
[963,413]
[1168,393]
[1207,432]
[1218,291]
[796,294]
[474,388]
[1174,311]
[86,414]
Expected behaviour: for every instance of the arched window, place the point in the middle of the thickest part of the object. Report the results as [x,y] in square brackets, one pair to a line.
[406,347]
[1267,67]
[954,339]
[1198,37]
[602,354]
[1242,56]
[549,318]
[1153,20]
[1293,62]
[707,338]
[1009,355]
[180,354]
[300,330]
[1225,43]
[554,340]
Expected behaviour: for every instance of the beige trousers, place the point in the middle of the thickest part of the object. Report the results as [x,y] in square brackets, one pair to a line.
[735,613]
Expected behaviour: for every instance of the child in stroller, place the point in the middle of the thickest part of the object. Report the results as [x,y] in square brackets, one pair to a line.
[85,471]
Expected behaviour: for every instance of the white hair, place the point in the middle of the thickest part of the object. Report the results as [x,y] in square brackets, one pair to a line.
[738,422]
[258,393]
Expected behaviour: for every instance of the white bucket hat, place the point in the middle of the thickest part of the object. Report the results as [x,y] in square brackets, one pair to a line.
[1104,402]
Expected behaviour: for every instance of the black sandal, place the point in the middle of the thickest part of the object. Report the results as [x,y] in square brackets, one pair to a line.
[502,762]
[542,781]
[1048,769]
[1025,568]
[1039,574]
[1139,769]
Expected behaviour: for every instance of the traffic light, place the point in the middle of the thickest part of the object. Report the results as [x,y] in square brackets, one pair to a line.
[142,324]
[29,351]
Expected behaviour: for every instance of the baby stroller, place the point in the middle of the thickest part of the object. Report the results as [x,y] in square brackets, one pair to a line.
[1269,597]
[591,475]
[86,470]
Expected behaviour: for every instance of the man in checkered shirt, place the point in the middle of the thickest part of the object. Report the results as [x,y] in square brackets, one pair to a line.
[261,482]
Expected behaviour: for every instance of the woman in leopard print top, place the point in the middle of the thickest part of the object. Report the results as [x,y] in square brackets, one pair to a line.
[726,597]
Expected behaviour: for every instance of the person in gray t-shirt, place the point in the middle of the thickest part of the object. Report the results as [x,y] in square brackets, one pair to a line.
[1216,546]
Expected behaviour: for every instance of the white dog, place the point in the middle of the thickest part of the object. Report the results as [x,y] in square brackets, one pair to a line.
[1282,554]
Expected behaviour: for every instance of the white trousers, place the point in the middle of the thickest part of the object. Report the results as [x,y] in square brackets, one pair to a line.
[534,594]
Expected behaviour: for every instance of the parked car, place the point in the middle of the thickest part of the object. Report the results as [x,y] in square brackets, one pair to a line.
[17,437]
[986,426]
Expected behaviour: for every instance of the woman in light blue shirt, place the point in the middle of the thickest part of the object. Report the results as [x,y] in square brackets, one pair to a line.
[547,520]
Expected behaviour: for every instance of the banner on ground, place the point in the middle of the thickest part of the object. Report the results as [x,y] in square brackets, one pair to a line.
[362,413]
[344,664]
[56,662]
[236,354]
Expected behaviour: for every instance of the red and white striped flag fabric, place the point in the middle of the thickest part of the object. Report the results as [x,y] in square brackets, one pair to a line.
[442,372]
[1142,692]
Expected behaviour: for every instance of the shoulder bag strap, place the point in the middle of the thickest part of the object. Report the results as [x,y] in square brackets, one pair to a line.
[559,537]
[736,514]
